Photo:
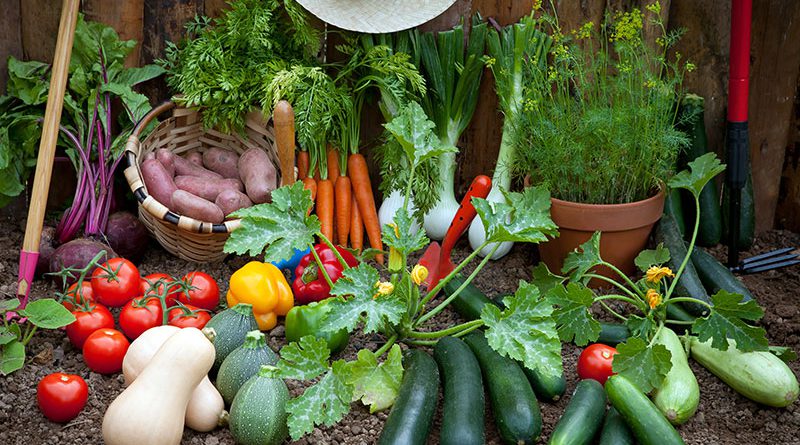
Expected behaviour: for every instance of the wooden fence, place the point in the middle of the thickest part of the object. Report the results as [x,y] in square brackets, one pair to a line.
[28,29]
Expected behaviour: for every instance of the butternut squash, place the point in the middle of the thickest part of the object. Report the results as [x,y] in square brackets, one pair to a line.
[160,393]
[206,409]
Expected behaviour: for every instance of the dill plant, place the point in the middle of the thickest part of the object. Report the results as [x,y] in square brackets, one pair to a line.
[597,125]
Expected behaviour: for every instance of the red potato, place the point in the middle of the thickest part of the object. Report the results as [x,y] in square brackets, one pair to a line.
[195,157]
[158,181]
[224,162]
[206,188]
[184,167]
[150,155]
[193,206]
[230,201]
[167,159]
[258,174]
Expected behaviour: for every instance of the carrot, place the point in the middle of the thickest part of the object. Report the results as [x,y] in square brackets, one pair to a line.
[356,226]
[344,200]
[310,184]
[325,207]
[333,164]
[302,164]
[362,190]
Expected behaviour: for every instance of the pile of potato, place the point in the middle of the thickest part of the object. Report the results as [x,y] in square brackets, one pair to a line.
[210,185]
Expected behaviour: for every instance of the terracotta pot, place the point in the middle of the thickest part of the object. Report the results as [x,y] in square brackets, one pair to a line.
[625,229]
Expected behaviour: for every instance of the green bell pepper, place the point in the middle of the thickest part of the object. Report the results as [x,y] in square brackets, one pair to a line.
[306,320]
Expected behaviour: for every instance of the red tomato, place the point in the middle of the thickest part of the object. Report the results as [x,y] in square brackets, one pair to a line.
[188,317]
[138,316]
[74,298]
[595,362]
[147,281]
[61,396]
[86,322]
[205,294]
[104,350]
[116,290]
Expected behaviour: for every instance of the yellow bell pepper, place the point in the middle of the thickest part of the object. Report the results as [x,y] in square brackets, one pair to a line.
[264,286]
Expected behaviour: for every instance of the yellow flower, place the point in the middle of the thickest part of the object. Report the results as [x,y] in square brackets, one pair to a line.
[395,259]
[628,26]
[654,274]
[690,66]
[384,288]
[585,30]
[537,5]
[655,8]
[653,298]
[418,274]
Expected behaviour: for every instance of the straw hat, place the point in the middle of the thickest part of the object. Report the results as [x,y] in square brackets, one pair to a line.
[376,16]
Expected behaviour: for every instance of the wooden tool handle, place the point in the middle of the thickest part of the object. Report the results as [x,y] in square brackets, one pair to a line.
[283,119]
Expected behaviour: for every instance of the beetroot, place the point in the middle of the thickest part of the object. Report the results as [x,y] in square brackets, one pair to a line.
[78,253]
[127,235]
[46,249]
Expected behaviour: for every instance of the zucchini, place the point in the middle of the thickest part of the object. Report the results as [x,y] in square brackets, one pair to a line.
[760,375]
[716,276]
[679,394]
[615,431]
[546,387]
[646,422]
[462,410]
[227,330]
[612,334]
[515,408]
[469,302]
[583,416]
[689,284]
[243,363]
[674,208]
[747,212]
[258,413]
[412,414]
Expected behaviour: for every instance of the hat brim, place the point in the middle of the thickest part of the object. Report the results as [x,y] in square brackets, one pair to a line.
[376,16]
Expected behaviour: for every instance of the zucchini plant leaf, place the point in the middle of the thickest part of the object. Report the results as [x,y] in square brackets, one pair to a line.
[375,384]
[646,366]
[656,257]
[525,330]
[784,353]
[571,312]
[727,320]
[403,238]
[544,279]
[323,403]
[521,217]
[305,359]
[277,228]
[415,133]
[701,170]
[580,261]
[12,357]
[47,313]
[639,326]
[358,286]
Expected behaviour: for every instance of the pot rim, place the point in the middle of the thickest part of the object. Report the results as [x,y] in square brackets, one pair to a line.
[608,217]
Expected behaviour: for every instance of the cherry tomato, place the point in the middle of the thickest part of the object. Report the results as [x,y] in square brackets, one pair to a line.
[104,350]
[188,316]
[73,297]
[116,290]
[138,316]
[147,281]
[86,322]
[205,294]
[61,396]
[595,362]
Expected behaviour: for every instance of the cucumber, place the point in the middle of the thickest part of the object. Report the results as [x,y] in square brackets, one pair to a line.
[615,431]
[516,411]
[674,208]
[747,212]
[716,276]
[583,416]
[760,375]
[689,284]
[469,302]
[462,410]
[679,394]
[646,422]
[412,414]
[546,387]
[227,330]
[243,363]
[612,334]
[258,413]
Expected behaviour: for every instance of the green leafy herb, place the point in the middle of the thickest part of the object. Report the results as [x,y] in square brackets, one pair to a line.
[644,365]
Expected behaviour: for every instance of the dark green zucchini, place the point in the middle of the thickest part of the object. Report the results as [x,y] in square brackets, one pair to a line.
[747,213]
[648,425]
[547,387]
[412,414]
[689,284]
[615,431]
[716,276]
[469,302]
[516,411]
[613,334]
[583,416]
[463,407]
[673,206]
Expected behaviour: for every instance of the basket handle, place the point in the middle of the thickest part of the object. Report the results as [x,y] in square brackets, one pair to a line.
[155,112]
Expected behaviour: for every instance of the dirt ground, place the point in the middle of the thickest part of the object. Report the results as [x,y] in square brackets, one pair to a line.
[723,417]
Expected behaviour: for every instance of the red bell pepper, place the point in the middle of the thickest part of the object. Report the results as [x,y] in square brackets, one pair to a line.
[309,284]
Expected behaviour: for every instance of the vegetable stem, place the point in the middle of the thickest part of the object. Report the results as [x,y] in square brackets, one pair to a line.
[445,332]
[389,342]
[450,276]
[321,267]
[333,248]
[688,249]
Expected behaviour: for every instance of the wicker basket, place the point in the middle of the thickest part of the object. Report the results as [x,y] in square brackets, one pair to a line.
[183,236]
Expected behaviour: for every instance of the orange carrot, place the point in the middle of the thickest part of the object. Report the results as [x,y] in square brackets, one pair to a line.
[310,184]
[333,164]
[344,199]
[325,206]
[302,164]
[362,190]
[356,226]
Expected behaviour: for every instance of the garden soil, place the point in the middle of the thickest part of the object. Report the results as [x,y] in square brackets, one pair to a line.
[723,417]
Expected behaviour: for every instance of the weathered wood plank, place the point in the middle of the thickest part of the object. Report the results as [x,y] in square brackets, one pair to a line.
[39,28]
[10,37]
[126,17]
[213,8]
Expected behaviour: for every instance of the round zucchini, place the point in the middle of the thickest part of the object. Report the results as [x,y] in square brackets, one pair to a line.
[227,330]
[583,416]
[679,394]
[546,387]
[242,363]
[412,414]
[515,408]
[646,422]
[760,375]
[463,408]
[258,413]
[615,431]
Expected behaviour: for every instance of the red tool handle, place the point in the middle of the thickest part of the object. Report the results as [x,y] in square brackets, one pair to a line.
[739,78]
[466,213]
